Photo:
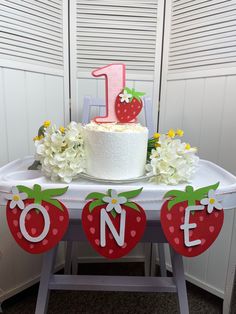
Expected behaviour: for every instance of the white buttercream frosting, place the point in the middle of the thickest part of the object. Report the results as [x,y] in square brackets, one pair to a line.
[115,151]
[116,127]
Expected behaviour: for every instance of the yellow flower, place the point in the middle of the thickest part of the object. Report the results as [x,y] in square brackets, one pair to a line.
[187,146]
[171,133]
[37,138]
[62,129]
[180,132]
[156,135]
[46,123]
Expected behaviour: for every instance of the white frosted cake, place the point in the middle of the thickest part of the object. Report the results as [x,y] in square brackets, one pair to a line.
[115,151]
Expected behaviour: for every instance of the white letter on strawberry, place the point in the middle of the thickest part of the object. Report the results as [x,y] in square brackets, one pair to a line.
[105,219]
[46,223]
[187,226]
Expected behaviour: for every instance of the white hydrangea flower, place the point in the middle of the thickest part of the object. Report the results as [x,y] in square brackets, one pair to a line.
[62,154]
[171,163]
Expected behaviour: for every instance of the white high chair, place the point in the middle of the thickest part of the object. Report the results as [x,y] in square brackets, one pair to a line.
[150,249]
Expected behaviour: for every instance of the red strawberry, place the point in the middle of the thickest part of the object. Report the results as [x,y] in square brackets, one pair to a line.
[128,105]
[38,202]
[135,222]
[208,222]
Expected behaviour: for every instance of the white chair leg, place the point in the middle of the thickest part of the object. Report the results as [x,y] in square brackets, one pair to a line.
[162,260]
[147,260]
[68,257]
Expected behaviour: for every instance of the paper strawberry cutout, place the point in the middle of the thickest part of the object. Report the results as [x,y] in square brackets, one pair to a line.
[191,232]
[128,105]
[112,223]
[36,220]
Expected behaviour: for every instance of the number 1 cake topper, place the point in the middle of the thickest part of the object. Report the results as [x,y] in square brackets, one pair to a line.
[122,103]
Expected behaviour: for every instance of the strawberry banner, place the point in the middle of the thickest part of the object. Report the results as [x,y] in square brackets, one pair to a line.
[36,219]
[113,223]
[192,219]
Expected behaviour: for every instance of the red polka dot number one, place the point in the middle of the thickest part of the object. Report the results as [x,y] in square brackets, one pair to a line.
[37,221]
[192,220]
[122,103]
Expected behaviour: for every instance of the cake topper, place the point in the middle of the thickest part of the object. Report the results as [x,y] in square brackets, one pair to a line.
[122,103]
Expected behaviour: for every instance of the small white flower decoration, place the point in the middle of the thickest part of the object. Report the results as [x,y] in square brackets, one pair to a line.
[114,201]
[125,96]
[16,198]
[212,201]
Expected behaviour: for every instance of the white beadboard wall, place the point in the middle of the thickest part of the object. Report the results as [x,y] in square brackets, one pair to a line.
[204,108]
[26,100]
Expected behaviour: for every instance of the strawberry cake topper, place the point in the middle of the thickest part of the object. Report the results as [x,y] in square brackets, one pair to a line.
[122,104]
[192,219]
[113,223]
[36,220]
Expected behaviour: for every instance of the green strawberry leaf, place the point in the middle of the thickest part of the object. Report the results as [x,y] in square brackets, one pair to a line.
[54,192]
[200,193]
[25,189]
[132,205]
[173,193]
[130,194]
[94,204]
[95,195]
[55,203]
[113,213]
[172,202]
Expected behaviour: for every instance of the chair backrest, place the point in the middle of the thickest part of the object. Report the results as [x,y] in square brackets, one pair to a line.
[90,102]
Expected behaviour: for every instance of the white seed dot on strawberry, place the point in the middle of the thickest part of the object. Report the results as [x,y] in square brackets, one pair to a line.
[111,251]
[47,207]
[118,105]
[172,229]
[125,110]
[97,242]
[14,211]
[176,240]
[45,242]
[181,209]
[118,111]
[15,223]
[190,233]
[19,235]
[203,241]
[28,216]
[169,216]
[132,106]
[54,231]
[33,231]
[133,233]
[31,246]
[190,249]
[201,218]
[90,218]
[211,229]
[124,245]
[128,117]
[92,230]
[110,236]
[216,214]
[61,218]
[138,219]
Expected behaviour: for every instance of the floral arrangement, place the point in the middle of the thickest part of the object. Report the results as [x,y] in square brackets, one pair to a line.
[60,151]
[170,160]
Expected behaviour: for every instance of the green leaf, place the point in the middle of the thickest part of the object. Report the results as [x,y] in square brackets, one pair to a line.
[25,189]
[95,195]
[132,205]
[173,193]
[94,204]
[55,203]
[173,202]
[130,194]
[200,193]
[113,213]
[54,192]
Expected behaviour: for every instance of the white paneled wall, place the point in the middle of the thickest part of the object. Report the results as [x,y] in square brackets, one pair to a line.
[26,100]
[200,98]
